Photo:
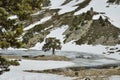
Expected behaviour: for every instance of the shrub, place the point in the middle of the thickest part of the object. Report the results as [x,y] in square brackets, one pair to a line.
[14,63]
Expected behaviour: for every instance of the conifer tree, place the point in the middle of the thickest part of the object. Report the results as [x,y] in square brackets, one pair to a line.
[51,43]
[12,29]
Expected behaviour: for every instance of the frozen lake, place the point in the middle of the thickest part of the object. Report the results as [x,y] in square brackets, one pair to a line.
[79,58]
[16,73]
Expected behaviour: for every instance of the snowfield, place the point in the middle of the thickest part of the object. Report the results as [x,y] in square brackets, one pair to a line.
[17,73]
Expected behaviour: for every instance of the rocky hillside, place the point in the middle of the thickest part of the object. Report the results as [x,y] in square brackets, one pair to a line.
[86,23]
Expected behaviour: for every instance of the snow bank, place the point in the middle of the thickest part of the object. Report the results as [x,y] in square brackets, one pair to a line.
[16,73]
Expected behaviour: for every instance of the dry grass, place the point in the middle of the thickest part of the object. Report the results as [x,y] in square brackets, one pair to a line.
[56,58]
[11,57]
[94,74]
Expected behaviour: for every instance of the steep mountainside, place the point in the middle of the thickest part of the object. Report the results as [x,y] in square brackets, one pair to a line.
[87,22]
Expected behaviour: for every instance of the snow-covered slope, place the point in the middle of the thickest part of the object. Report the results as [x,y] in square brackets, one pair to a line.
[57,21]
[112,11]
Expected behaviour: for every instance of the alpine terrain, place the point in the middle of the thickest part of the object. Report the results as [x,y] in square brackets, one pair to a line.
[76,23]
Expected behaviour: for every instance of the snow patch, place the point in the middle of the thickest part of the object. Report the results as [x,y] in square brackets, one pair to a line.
[58,33]
[95,17]
[64,8]
[56,3]
[37,23]
[116,77]
[13,17]
[54,33]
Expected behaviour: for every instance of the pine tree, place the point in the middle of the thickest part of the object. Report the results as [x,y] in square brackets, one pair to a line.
[12,29]
[51,43]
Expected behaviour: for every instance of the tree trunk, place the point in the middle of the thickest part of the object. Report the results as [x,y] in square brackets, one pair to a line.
[53,51]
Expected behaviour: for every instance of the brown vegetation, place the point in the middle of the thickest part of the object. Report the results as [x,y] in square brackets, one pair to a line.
[93,74]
